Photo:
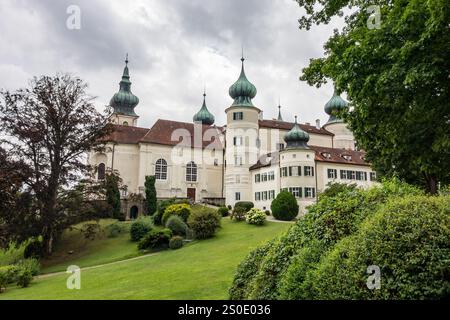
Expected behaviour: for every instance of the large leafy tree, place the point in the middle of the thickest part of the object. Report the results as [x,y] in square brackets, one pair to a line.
[48,128]
[397,78]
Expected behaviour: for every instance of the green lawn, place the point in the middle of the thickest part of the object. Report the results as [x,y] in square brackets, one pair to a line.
[200,270]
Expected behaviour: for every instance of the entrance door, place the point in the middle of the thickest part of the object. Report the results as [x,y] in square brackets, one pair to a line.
[134,212]
[191,193]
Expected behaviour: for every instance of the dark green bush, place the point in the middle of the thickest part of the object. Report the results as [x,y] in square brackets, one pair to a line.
[162,205]
[204,222]
[284,206]
[229,207]
[267,212]
[177,226]
[223,211]
[7,275]
[23,277]
[408,238]
[31,265]
[182,210]
[140,228]
[34,249]
[155,239]
[115,229]
[247,205]
[176,242]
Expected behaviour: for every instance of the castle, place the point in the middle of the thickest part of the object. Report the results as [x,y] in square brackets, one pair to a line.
[247,159]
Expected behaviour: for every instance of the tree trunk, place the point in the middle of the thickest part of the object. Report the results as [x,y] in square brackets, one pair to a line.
[432,185]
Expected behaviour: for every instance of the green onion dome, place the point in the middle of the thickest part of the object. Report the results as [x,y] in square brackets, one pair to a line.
[204,116]
[335,105]
[124,101]
[242,91]
[296,138]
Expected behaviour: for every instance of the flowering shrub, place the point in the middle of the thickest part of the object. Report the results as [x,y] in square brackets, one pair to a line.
[255,216]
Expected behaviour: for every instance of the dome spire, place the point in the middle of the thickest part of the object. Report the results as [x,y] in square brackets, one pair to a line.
[124,101]
[280,118]
[335,105]
[297,137]
[242,91]
[204,116]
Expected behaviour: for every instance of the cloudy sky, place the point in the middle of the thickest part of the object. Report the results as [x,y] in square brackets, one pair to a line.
[175,47]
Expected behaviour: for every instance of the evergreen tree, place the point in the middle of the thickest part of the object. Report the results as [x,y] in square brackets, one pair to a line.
[150,194]
[113,194]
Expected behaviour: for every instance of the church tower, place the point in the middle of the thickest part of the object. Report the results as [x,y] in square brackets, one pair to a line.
[343,137]
[124,101]
[241,140]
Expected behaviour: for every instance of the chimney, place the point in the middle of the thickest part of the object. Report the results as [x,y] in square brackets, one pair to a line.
[318,123]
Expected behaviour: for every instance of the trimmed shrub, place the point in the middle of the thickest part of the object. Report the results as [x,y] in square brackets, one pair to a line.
[140,228]
[155,239]
[408,239]
[229,207]
[182,210]
[204,222]
[176,242]
[256,217]
[267,212]
[284,207]
[238,214]
[247,205]
[150,194]
[223,211]
[177,226]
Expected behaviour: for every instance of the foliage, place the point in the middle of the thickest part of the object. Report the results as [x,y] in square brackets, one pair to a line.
[31,264]
[247,205]
[150,194]
[155,239]
[330,220]
[55,119]
[177,225]
[23,277]
[176,242]
[246,271]
[162,205]
[396,77]
[284,206]
[7,275]
[140,227]
[113,194]
[408,238]
[238,213]
[13,253]
[182,210]
[267,212]
[223,211]
[115,229]
[204,222]
[334,188]
[256,217]
[34,248]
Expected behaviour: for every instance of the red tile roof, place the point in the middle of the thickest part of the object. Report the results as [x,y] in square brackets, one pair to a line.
[283,125]
[171,133]
[334,155]
[126,134]
[323,154]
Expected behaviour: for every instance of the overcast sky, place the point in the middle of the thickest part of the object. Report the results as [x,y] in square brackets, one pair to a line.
[175,47]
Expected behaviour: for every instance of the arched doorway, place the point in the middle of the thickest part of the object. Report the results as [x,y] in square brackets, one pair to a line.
[134,212]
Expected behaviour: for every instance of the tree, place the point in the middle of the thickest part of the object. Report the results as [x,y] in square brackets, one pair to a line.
[49,127]
[113,194]
[150,194]
[396,78]
[284,206]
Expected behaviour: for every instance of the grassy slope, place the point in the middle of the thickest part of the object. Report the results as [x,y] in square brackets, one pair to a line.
[88,252]
[201,270]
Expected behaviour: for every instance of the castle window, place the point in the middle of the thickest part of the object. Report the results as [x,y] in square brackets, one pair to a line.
[326,155]
[101,170]
[161,169]
[280,146]
[347,157]
[237,196]
[237,141]
[296,191]
[125,123]
[309,171]
[271,175]
[332,173]
[257,196]
[271,194]
[191,172]
[237,160]
[238,115]
[373,176]
[310,192]
[257,177]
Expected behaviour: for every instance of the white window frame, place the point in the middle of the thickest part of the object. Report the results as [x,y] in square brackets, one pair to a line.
[161,169]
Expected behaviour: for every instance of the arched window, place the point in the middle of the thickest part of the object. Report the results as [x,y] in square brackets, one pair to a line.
[125,123]
[101,171]
[191,172]
[161,169]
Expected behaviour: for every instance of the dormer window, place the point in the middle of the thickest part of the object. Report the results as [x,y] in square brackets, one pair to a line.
[326,155]
[347,157]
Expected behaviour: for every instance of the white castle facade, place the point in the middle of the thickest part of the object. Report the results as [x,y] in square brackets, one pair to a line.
[247,159]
